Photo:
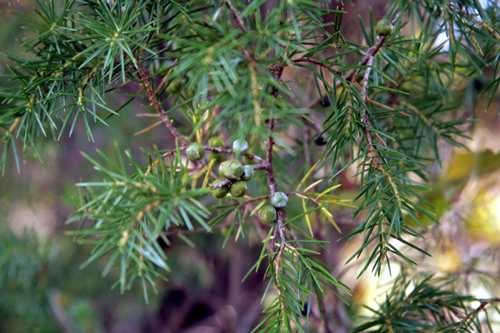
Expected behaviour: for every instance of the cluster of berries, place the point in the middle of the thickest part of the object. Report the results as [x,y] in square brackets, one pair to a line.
[237,173]
[233,169]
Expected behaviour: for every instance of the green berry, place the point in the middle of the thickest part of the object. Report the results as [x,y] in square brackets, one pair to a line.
[238,189]
[239,146]
[231,169]
[267,214]
[247,172]
[195,151]
[212,155]
[384,27]
[215,141]
[248,161]
[219,192]
[279,200]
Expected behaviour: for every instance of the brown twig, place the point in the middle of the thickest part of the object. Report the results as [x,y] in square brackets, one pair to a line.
[372,51]
[149,90]
[147,115]
[13,127]
[222,183]
[280,253]
[271,179]
[364,119]
[480,308]
[368,61]
[149,128]
[236,15]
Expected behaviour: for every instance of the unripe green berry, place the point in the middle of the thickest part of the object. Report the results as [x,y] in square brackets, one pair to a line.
[238,189]
[384,27]
[279,200]
[219,192]
[247,172]
[215,141]
[195,151]
[267,214]
[212,155]
[231,169]
[239,146]
[248,161]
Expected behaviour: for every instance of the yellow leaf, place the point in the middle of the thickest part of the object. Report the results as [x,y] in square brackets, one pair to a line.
[258,207]
[339,203]
[307,217]
[185,176]
[325,196]
[329,216]
[312,185]
[209,171]
[306,176]
[328,190]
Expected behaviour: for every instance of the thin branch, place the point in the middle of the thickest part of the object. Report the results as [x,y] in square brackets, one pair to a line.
[368,61]
[364,120]
[13,127]
[372,51]
[236,15]
[271,179]
[480,308]
[149,128]
[222,183]
[280,253]
[149,90]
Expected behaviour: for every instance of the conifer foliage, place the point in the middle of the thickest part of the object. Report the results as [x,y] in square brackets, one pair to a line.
[217,69]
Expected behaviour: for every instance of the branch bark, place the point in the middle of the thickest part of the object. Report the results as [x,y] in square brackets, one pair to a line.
[149,90]
[236,15]
[364,119]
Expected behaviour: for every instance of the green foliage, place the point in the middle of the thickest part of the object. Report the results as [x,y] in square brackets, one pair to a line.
[211,70]
[33,275]
[25,267]
[132,214]
[425,302]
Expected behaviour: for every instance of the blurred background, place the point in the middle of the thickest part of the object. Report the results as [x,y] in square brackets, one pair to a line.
[43,289]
